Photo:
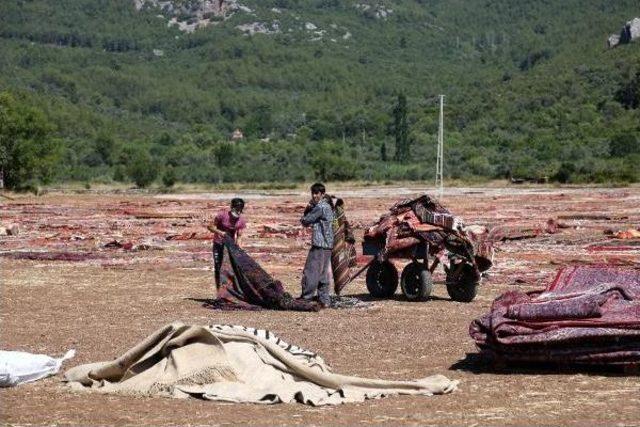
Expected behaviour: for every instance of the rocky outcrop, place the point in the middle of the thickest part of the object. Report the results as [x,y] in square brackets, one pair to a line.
[377,11]
[193,14]
[630,32]
[252,28]
[190,15]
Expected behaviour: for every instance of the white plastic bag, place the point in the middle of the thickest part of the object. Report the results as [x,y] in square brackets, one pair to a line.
[18,367]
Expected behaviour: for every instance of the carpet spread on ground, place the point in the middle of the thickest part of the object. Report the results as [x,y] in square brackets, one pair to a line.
[587,315]
[236,364]
[97,270]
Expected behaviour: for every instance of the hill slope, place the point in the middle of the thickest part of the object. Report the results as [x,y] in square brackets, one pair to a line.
[530,88]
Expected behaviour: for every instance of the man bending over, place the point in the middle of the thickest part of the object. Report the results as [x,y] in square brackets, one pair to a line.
[226,223]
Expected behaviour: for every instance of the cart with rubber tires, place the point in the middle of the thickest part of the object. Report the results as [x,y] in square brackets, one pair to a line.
[426,246]
[415,280]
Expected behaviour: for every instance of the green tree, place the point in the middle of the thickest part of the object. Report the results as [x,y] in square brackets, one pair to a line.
[142,169]
[105,147]
[401,128]
[629,93]
[27,152]
[224,154]
[564,173]
[260,122]
[624,144]
[169,177]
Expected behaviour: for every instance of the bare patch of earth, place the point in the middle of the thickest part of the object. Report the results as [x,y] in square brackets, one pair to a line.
[103,304]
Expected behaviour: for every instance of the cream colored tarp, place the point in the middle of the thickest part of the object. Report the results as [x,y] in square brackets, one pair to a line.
[236,364]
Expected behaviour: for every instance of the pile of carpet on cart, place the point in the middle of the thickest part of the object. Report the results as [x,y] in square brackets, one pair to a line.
[424,219]
[587,315]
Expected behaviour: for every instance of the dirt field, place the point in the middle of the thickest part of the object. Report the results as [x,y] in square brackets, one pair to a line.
[66,284]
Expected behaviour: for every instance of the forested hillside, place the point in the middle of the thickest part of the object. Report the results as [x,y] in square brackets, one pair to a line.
[101,90]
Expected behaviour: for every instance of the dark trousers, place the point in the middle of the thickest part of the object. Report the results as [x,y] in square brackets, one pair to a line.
[316,275]
[218,253]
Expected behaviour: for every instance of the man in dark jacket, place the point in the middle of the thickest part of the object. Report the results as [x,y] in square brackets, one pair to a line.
[316,275]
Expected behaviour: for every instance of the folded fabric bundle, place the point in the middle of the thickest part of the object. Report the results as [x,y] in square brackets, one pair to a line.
[235,364]
[18,367]
[505,232]
[587,315]
[343,254]
[245,285]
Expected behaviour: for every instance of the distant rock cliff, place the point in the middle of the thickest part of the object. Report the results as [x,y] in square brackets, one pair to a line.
[190,15]
[630,32]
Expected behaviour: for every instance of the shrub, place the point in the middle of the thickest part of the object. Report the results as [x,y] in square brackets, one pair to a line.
[119,173]
[142,169]
[169,177]
[564,174]
[623,145]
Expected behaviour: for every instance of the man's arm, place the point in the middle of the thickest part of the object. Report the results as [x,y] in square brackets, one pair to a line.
[213,227]
[241,227]
[215,230]
[312,216]
[308,208]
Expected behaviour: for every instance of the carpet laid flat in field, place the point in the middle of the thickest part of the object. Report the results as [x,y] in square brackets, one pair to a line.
[587,315]
[236,364]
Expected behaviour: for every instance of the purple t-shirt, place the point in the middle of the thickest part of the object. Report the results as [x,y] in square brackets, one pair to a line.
[226,222]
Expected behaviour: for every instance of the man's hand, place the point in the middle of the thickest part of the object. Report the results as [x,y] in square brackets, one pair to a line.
[214,230]
[310,206]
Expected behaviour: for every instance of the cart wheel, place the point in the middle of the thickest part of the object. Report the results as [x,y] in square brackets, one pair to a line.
[416,282]
[382,279]
[463,286]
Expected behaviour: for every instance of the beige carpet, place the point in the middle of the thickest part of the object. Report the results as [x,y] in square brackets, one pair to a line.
[236,364]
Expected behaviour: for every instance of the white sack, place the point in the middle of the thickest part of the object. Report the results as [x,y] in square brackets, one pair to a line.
[18,367]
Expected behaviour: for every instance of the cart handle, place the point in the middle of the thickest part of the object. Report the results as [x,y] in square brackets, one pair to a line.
[359,272]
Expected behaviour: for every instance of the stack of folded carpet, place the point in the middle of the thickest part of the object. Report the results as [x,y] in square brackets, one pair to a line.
[587,315]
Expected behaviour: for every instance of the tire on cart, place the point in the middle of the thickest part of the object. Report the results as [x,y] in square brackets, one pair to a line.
[462,287]
[382,279]
[416,282]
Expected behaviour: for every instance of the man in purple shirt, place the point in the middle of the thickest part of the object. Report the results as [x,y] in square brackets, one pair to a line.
[226,223]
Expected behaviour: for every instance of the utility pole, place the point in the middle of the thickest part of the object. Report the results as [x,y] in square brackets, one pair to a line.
[440,156]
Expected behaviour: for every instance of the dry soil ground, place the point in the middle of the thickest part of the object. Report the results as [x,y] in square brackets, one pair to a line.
[62,288]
